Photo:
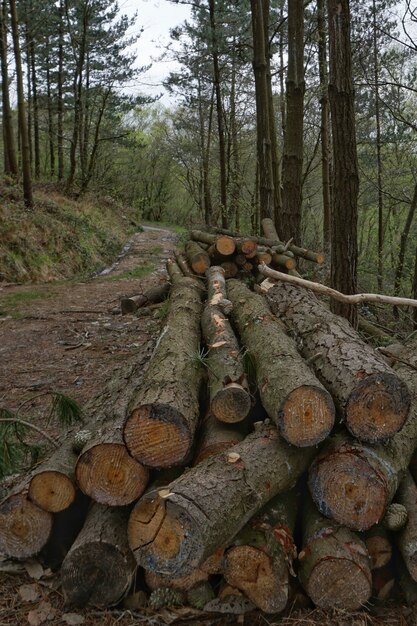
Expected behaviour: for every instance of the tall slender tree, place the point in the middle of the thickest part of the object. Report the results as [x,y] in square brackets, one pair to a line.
[10,160]
[344,251]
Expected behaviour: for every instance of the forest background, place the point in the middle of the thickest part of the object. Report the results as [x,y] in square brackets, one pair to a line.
[302,111]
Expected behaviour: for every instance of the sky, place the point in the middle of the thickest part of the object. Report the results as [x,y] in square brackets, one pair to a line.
[156,17]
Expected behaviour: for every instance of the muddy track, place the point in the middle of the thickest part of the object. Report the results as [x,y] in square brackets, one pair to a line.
[67,336]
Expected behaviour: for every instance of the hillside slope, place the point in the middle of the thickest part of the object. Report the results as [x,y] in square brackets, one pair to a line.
[60,238]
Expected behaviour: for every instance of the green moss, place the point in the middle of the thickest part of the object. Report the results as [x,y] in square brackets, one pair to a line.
[137,272]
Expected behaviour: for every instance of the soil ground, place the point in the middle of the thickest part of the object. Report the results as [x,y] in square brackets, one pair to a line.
[70,337]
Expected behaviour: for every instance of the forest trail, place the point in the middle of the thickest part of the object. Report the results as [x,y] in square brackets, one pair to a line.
[68,336]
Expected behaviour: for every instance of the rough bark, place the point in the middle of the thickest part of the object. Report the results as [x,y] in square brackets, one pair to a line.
[163,414]
[24,527]
[52,485]
[354,483]
[9,147]
[258,563]
[345,167]
[216,437]
[206,507]
[99,568]
[223,244]
[334,564]
[150,296]
[216,289]
[198,258]
[324,124]
[292,157]
[290,393]
[379,546]
[182,264]
[282,260]
[266,182]
[407,538]
[228,388]
[370,396]
[25,148]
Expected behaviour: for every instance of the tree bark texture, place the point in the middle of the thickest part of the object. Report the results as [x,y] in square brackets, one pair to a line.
[407,538]
[216,436]
[9,147]
[292,396]
[198,258]
[292,158]
[206,507]
[334,564]
[344,252]
[266,183]
[230,400]
[223,244]
[259,560]
[25,148]
[216,289]
[150,296]
[370,396]
[99,568]
[162,419]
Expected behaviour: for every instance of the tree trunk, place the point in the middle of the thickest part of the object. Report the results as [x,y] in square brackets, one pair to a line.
[99,568]
[163,414]
[205,508]
[324,126]
[334,568]
[24,527]
[154,295]
[220,114]
[215,437]
[346,181]
[230,400]
[197,257]
[290,393]
[36,139]
[266,184]
[50,111]
[407,538]
[216,289]
[370,396]
[27,178]
[258,564]
[60,103]
[403,246]
[10,160]
[375,60]
[223,244]
[292,161]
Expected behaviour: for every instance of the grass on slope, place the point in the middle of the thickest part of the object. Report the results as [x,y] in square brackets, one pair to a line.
[60,238]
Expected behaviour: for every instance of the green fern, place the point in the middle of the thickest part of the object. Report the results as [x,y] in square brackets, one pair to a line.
[65,409]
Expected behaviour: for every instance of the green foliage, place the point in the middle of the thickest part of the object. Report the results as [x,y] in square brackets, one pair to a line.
[15,453]
[137,272]
[65,409]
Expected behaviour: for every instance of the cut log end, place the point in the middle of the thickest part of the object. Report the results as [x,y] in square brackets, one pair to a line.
[52,491]
[378,407]
[307,416]
[157,436]
[251,570]
[109,475]
[346,488]
[101,581]
[339,583]
[163,539]
[225,245]
[379,549]
[24,527]
[231,404]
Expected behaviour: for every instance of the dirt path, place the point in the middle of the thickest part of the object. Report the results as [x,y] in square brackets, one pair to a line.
[67,337]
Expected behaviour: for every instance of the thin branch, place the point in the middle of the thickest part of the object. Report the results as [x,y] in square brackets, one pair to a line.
[328,291]
[32,426]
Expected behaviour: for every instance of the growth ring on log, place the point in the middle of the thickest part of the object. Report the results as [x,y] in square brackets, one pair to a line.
[24,527]
[306,416]
[52,491]
[347,487]
[378,407]
[109,475]
[163,538]
[103,572]
[231,404]
[339,583]
[157,435]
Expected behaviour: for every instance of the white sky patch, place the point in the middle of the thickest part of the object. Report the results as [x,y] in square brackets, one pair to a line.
[156,17]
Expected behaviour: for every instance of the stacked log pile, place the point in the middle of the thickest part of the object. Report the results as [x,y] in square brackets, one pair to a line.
[258,439]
